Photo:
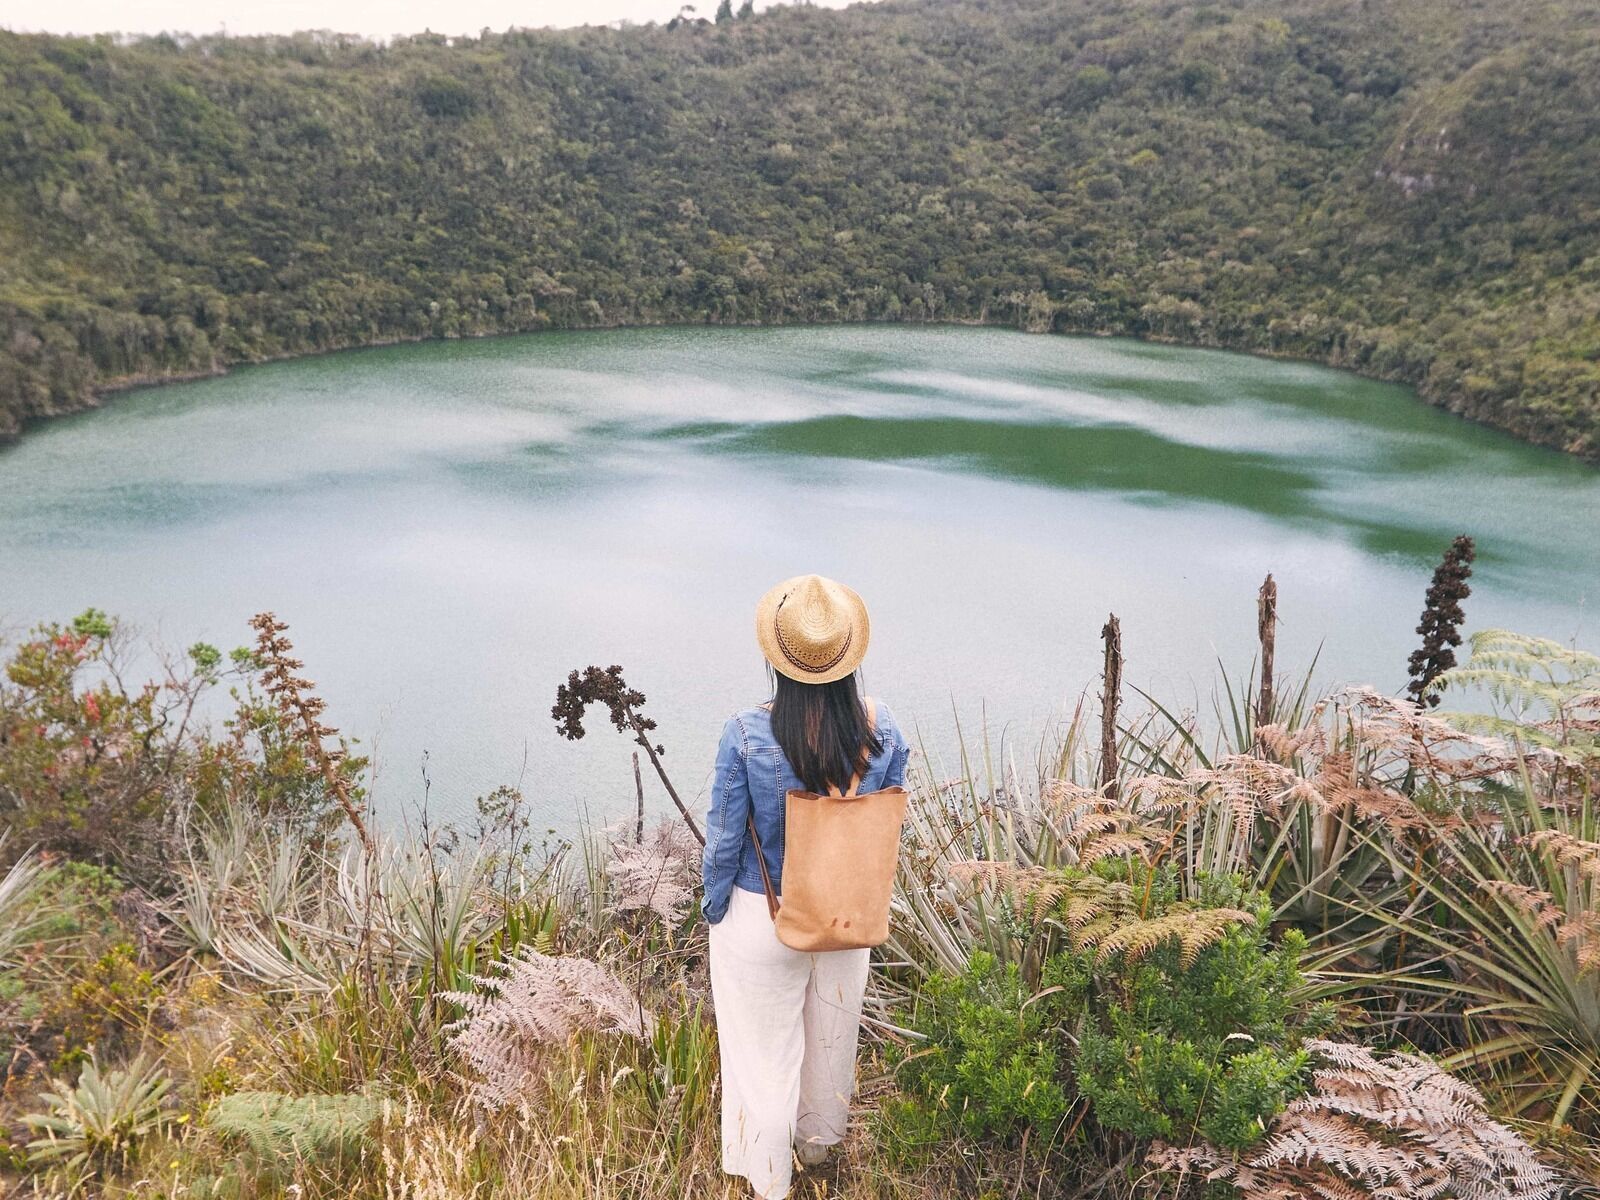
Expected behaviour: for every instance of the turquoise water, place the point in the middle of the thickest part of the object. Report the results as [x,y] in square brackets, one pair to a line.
[450,527]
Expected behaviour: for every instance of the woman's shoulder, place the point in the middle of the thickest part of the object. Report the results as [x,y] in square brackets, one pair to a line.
[748,720]
[883,720]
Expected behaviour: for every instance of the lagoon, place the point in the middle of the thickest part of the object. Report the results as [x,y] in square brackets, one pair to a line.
[449,527]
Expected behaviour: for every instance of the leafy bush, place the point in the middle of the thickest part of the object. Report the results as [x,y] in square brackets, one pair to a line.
[98,768]
[1185,1016]
[77,978]
[1180,1042]
[86,762]
[990,1064]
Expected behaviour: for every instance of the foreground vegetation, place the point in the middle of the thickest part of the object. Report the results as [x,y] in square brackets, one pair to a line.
[1339,946]
[1405,189]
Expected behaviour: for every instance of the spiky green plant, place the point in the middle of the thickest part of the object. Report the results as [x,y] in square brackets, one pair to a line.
[1514,899]
[1519,922]
[99,1118]
[17,888]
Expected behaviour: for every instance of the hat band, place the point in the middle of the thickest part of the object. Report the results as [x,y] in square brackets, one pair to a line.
[783,644]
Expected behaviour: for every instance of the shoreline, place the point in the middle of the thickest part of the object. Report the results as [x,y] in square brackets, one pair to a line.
[109,390]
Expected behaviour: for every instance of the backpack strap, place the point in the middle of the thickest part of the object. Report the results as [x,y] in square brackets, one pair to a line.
[766,879]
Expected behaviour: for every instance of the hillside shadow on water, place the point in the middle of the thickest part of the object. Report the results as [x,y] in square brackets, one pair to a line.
[1136,463]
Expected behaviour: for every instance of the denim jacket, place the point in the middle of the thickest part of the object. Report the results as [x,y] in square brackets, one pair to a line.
[753,773]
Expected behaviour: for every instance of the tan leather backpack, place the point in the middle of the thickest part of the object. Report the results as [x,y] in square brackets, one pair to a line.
[839,859]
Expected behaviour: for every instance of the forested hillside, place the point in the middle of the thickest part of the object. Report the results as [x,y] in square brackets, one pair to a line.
[1407,187]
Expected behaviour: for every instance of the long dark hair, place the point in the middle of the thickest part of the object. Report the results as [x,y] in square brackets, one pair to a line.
[823,730]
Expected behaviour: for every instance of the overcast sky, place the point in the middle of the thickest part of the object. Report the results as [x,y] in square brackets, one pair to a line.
[375,18]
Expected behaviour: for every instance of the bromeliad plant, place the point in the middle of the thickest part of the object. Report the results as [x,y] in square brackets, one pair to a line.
[100,1118]
[1514,898]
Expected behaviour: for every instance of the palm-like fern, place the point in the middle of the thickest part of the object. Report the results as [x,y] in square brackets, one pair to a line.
[1545,694]
[281,1130]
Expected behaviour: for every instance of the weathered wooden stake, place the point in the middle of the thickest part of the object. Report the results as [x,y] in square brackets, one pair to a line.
[1267,631]
[1109,698]
[638,786]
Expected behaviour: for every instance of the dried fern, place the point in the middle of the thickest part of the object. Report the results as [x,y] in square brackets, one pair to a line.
[1096,908]
[1247,785]
[1286,744]
[1082,820]
[1581,857]
[1193,928]
[1392,1126]
[1575,923]
[658,875]
[530,1002]
[1447,750]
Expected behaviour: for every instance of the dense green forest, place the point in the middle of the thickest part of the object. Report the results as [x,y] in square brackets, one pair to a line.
[1407,188]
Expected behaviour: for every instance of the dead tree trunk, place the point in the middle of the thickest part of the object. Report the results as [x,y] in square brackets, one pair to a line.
[1109,698]
[1267,632]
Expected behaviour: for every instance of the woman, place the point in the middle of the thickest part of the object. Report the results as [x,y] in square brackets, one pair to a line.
[786,1020]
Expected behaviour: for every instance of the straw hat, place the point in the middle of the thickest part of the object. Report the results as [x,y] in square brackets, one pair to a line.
[812,629]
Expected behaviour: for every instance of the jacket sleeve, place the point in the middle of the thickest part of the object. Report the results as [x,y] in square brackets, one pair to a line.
[899,751]
[725,822]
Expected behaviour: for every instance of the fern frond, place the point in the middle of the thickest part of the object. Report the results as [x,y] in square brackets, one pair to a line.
[1531,902]
[658,874]
[1285,744]
[529,1002]
[1135,842]
[1395,1127]
[1568,851]
[1159,794]
[1193,929]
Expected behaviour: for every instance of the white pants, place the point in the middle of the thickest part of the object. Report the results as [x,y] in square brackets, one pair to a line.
[786,1025]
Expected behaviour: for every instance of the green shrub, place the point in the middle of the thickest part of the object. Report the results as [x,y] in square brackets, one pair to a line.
[93,765]
[1179,1042]
[990,1063]
[77,980]
[1171,1017]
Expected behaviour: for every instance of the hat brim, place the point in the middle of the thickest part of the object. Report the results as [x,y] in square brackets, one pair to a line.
[767,635]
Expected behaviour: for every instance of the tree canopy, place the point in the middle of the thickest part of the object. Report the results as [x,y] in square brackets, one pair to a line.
[1405,188]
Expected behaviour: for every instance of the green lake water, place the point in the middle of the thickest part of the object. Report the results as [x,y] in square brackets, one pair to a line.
[450,527]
